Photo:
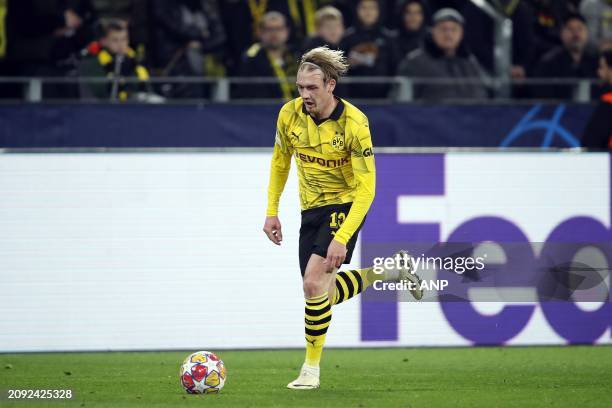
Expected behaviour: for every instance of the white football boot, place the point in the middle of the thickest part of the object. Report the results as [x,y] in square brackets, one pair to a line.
[407,274]
[308,379]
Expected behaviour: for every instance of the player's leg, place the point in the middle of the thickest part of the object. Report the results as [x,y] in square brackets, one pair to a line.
[317,318]
[317,279]
[350,283]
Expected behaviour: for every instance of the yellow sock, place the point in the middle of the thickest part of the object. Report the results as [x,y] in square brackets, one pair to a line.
[352,283]
[317,318]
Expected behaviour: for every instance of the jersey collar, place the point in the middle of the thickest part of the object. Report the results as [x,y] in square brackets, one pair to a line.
[335,115]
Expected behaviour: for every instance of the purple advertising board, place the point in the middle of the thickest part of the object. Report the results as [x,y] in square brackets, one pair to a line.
[566,227]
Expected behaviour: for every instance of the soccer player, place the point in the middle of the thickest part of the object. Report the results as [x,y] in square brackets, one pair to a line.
[330,139]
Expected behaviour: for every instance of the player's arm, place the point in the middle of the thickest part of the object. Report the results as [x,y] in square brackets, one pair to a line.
[364,171]
[279,171]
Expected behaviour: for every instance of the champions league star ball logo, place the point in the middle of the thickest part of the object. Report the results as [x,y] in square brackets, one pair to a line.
[203,373]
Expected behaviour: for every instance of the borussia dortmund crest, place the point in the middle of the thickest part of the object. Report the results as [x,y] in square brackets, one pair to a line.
[338,142]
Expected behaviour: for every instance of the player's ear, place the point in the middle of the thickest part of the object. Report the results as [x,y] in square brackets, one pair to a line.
[331,85]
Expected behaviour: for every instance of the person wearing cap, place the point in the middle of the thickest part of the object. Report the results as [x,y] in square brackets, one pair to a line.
[572,59]
[445,57]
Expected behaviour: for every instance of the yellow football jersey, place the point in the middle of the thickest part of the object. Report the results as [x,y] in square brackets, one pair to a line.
[334,159]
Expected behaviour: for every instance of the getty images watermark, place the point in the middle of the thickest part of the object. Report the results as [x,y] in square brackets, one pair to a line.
[458,265]
[493,271]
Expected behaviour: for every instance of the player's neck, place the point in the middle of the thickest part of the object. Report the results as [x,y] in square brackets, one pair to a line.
[327,111]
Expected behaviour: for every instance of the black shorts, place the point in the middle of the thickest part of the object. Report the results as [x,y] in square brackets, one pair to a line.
[317,231]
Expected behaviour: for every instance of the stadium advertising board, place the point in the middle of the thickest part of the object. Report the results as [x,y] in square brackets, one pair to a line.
[165,250]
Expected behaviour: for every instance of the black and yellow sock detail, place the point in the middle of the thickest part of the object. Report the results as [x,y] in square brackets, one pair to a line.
[317,317]
[351,283]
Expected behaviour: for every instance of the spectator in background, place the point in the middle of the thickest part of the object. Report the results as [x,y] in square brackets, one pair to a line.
[244,17]
[598,131]
[113,58]
[135,13]
[330,29]
[271,57]
[300,16]
[47,35]
[7,68]
[444,56]
[412,27]
[188,38]
[598,14]
[44,38]
[480,37]
[548,19]
[572,59]
[387,10]
[370,49]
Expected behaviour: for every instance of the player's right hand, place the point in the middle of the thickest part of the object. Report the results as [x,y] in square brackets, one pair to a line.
[272,228]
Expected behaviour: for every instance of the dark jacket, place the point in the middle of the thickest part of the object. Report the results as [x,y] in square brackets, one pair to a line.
[31,26]
[480,36]
[374,48]
[598,131]
[317,41]
[174,29]
[406,40]
[558,63]
[256,63]
[430,62]
[237,15]
[548,16]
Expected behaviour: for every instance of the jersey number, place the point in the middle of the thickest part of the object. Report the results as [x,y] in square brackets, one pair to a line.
[336,220]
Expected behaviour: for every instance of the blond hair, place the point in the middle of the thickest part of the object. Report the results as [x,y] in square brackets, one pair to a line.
[327,13]
[332,63]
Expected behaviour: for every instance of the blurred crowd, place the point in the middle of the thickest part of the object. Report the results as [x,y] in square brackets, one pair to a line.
[448,40]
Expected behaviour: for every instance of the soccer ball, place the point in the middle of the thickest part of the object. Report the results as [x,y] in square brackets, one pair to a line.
[203,373]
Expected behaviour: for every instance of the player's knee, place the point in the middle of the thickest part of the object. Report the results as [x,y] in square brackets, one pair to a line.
[313,287]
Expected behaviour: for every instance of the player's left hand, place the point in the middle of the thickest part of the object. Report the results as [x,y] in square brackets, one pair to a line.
[336,253]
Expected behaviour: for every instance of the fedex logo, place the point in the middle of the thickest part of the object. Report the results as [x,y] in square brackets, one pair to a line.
[519,198]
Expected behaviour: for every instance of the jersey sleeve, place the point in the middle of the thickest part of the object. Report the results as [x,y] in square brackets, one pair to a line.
[279,168]
[364,172]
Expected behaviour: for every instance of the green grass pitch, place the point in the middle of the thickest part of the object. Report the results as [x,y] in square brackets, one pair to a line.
[431,377]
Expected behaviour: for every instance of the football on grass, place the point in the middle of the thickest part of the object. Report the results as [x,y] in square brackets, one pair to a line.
[203,373]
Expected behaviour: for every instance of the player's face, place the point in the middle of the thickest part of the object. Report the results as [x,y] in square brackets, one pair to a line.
[316,94]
